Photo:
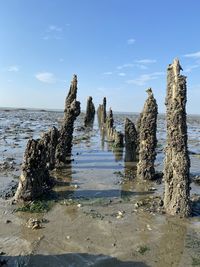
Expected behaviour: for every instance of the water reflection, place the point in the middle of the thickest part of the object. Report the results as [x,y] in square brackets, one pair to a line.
[102,138]
[118,153]
[130,170]
[64,180]
[90,125]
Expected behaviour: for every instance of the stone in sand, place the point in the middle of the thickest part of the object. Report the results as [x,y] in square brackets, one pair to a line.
[147,139]
[71,112]
[177,162]
[90,112]
[131,140]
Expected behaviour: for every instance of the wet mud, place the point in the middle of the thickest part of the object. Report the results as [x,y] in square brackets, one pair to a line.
[99,213]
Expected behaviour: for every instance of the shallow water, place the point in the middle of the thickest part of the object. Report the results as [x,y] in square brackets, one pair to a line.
[83,227]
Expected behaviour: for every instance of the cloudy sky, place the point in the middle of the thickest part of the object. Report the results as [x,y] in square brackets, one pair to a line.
[118,48]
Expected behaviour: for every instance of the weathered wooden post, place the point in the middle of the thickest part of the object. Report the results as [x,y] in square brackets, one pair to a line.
[72,110]
[101,112]
[147,139]
[34,179]
[131,141]
[90,112]
[177,162]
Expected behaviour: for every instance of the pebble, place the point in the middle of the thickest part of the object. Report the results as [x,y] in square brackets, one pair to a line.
[152,189]
[40,237]
[120,214]
[79,205]
[149,228]
[34,224]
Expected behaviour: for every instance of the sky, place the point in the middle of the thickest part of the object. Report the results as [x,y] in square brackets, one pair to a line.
[117,48]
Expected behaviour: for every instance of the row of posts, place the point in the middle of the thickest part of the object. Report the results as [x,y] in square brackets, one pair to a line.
[141,141]
[53,150]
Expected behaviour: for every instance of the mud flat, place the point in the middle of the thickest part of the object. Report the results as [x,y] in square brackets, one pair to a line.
[96,215]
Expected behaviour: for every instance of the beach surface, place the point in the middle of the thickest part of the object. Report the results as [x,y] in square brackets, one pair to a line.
[98,213]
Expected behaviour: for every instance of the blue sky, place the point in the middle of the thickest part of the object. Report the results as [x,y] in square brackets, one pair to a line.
[118,48]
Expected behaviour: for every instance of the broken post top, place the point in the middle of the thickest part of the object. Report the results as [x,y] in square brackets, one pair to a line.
[127,121]
[175,67]
[110,113]
[72,92]
[150,102]
[74,81]
[149,91]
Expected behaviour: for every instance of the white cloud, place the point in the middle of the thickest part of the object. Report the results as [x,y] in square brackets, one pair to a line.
[193,55]
[46,37]
[131,65]
[127,65]
[144,78]
[45,77]
[158,73]
[55,37]
[145,61]
[53,32]
[54,28]
[122,74]
[142,67]
[130,41]
[13,68]
[108,73]
[191,67]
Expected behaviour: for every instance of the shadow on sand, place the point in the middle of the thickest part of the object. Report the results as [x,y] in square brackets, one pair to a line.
[67,260]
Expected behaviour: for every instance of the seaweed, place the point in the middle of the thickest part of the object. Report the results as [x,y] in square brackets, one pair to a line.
[37,206]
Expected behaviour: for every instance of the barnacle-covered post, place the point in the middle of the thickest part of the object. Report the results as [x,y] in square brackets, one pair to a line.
[39,158]
[34,179]
[101,113]
[90,112]
[177,162]
[72,110]
[147,139]
[131,141]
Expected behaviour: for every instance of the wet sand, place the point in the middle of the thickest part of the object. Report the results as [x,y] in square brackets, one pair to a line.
[95,219]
